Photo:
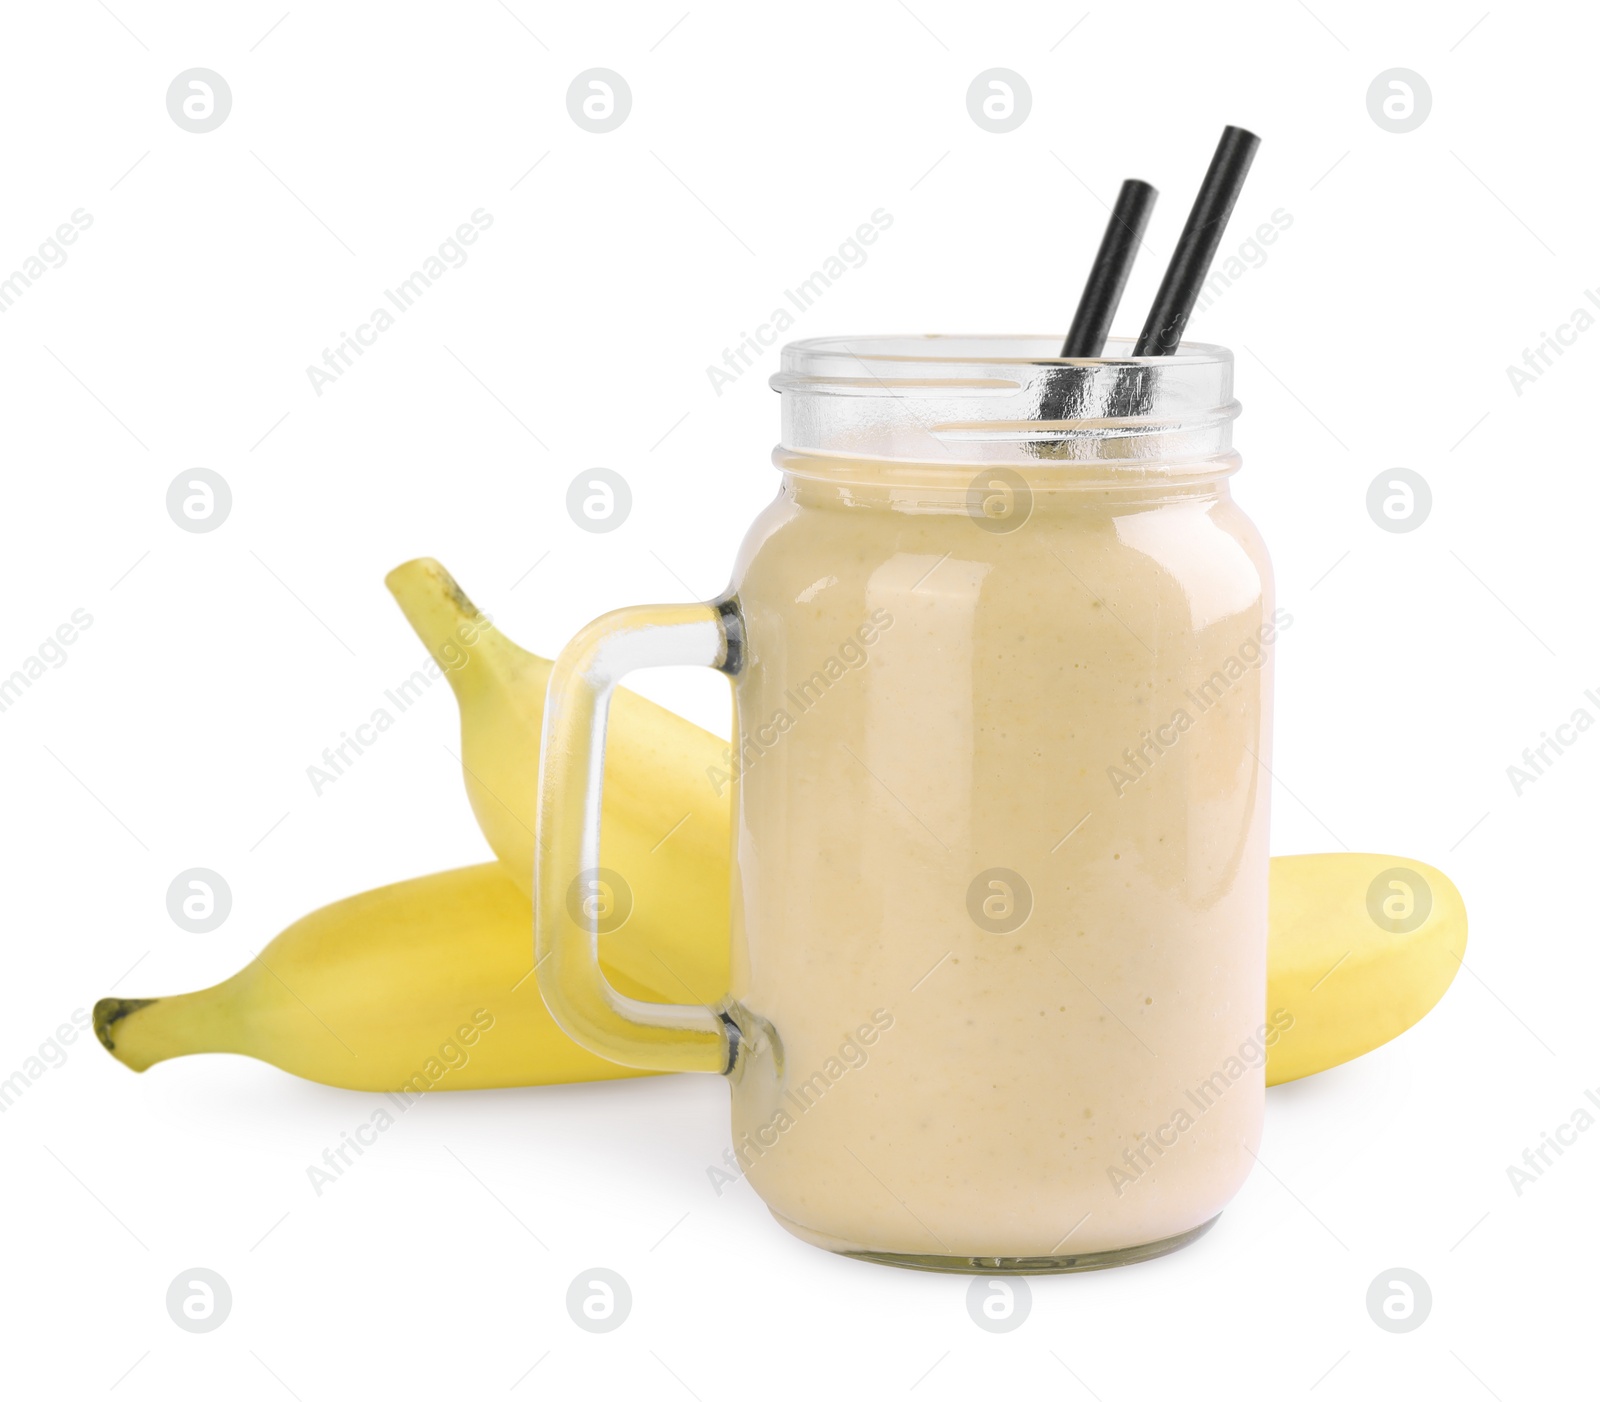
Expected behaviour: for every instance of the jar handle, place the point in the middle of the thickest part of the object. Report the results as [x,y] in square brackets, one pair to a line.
[629,1031]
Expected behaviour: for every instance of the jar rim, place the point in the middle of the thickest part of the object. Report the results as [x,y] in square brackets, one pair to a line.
[990,350]
[1005,398]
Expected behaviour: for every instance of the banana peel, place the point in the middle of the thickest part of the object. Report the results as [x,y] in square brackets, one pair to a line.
[428,984]
[423,985]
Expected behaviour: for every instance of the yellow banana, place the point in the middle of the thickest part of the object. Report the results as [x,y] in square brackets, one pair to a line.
[657,767]
[424,985]
[663,828]
[1360,947]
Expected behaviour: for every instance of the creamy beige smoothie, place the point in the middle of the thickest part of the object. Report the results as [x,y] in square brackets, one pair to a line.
[1000,820]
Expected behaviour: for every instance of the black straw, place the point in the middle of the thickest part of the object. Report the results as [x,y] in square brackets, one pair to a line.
[1091,324]
[1197,245]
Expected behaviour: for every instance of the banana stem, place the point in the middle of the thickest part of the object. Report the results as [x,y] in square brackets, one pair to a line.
[473,654]
[142,1031]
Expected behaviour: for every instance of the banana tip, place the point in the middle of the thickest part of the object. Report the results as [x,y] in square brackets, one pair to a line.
[405,578]
[108,1012]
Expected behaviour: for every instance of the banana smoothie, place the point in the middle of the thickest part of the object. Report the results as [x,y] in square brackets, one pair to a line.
[1000,830]
[1001,662]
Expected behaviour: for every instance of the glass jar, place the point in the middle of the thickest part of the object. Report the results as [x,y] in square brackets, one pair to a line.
[1001,660]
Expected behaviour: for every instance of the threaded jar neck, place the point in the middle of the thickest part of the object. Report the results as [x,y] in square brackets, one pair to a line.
[985,400]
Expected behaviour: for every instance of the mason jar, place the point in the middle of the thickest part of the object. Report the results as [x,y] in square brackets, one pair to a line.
[1001,658]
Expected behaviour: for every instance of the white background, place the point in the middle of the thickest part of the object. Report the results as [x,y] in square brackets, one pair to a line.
[618,266]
